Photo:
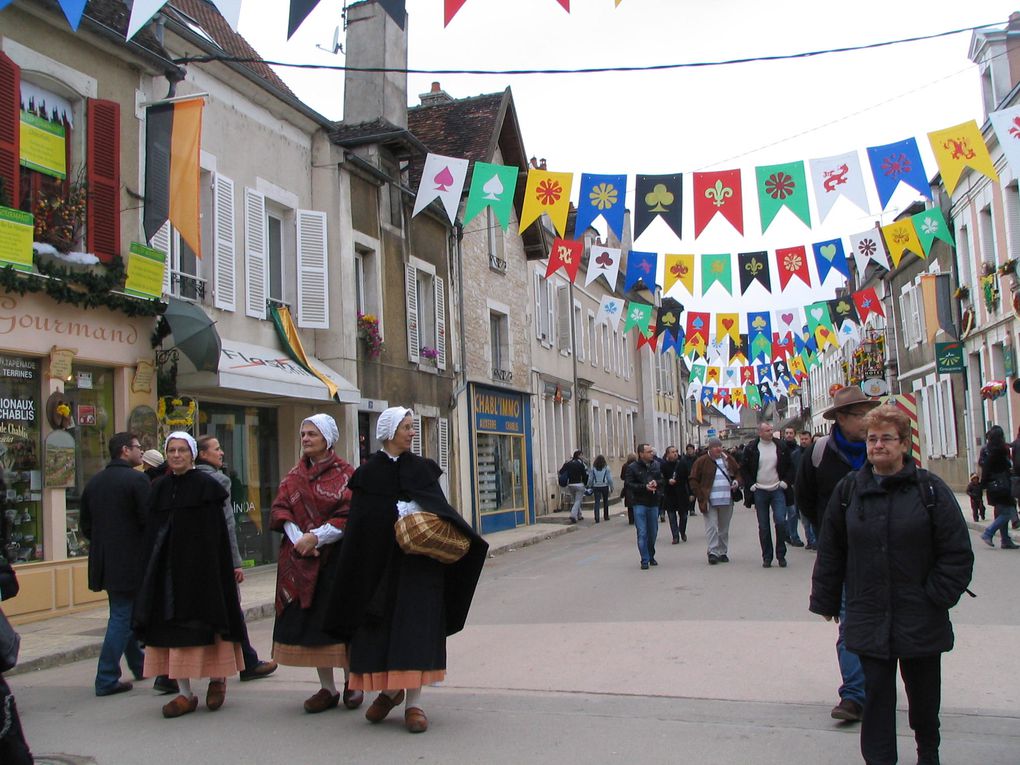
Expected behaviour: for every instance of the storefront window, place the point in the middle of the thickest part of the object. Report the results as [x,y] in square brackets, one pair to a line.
[90,390]
[248,437]
[20,448]
[500,480]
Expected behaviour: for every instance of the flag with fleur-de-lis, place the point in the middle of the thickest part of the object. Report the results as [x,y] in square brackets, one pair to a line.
[658,196]
[679,269]
[642,268]
[604,262]
[754,267]
[667,321]
[638,315]
[610,311]
[901,238]
[820,325]
[547,192]
[565,254]
[791,262]
[716,269]
[829,256]
[759,333]
[1006,124]
[779,186]
[797,367]
[738,349]
[959,147]
[930,225]
[601,195]
[718,192]
[896,163]
[763,371]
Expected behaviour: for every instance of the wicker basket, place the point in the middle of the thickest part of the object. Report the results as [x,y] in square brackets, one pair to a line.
[428,534]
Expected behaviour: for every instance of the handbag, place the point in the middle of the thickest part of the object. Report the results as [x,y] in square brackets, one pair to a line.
[999,488]
[10,642]
[428,534]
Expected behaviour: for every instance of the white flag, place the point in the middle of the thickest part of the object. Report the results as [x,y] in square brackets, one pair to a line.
[141,12]
[603,261]
[1007,129]
[787,322]
[610,311]
[866,246]
[838,176]
[442,178]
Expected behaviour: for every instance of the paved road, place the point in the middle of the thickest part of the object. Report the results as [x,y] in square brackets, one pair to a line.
[573,654]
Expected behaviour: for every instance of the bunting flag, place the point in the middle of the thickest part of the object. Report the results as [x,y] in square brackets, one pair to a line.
[788,322]
[930,224]
[767,396]
[894,163]
[730,376]
[396,9]
[696,333]
[641,267]
[716,269]
[764,371]
[798,368]
[849,331]
[753,396]
[712,376]
[782,346]
[835,177]
[842,309]
[299,10]
[820,325]
[667,320]
[651,341]
[936,297]
[738,349]
[679,269]
[698,373]
[604,195]
[442,178]
[868,246]
[727,325]
[604,262]
[547,192]
[143,10]
[792,261]
[900,237]
[739,397]
[867,303]
[829,255]
[719,348]
[675,344]
[452,6]
[746,374]
[639,315]
[491,186]
[659,196]
[759,331]
[782,186]
[1006,124]
[565,254]
[610,311]
[754,267]
[707,396]
[718,192]
[173,142]
[959,147]
[73,10]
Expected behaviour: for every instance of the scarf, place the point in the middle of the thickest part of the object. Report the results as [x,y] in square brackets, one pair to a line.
[855,452]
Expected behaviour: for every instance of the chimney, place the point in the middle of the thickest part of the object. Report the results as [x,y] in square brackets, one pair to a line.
[375,40]
[435,96]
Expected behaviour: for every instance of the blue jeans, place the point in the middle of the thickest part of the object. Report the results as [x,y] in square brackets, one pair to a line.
[850,667]
[601,494]
[119,641]
[646,521]
[792,516]
[810,533]
[763,500]
[1005,513]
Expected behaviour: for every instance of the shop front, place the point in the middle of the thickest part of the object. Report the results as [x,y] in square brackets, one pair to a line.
[501,438]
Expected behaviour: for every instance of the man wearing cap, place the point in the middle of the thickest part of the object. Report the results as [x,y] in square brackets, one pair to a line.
[713,479]
[822,466]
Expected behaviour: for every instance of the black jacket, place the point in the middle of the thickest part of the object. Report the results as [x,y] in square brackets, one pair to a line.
[576,471]
[814,485]
[113,513]
[784,467]
[638,474]
[676,497]
[903,567]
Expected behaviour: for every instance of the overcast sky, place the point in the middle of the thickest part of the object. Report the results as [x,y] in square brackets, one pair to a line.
[713,118]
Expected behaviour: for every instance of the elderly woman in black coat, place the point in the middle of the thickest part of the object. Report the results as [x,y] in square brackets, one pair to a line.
[897,537]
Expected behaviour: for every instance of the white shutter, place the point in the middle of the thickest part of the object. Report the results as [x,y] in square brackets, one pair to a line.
[439,287]
[539,286]
[416,441]
[256,258]
[224,267]
[312,270]
[444,444]
[161,241]
[411,303]
[562,318]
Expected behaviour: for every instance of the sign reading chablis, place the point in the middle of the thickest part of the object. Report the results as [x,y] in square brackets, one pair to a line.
[16,229]
[145,272]
[43,146]
[948,357]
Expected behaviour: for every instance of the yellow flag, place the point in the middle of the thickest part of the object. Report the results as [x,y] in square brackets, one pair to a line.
[824,337]
[550,193]
[727,325]
[960,147]
[679,268]
[900,237]
[796,364]
[712,376]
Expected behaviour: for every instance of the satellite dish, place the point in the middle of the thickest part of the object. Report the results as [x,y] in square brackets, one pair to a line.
[337,47]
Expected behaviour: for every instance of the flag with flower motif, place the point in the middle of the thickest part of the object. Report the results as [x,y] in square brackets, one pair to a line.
[739,398]
[753,396]
[900,238]
[610,311]
[712,376]
[667,320]
[604,195]
[780,186]
[727,325]
[491,186]
[716,269]
[759,332]
[867,246]
[697,333]
[820,325]
[658,196]
[930,225]
[718,348]
[698,373]
[604,262]
[639,315]
[442,178]
[547,192]
[867,303]
[707,396]
[829,255]
[718,192]
[1006,124]
[835,177]
[679,269]
[565,253]
[959,147]
[754,267]
[895,163]
[792,261]
[641,267]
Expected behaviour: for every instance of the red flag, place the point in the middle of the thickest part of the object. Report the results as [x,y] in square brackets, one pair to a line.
[452,6]
[792,261]
[697,330]
[718,192]
[867,303]
[781,346]
[565,253]
[746,375]
[652,341]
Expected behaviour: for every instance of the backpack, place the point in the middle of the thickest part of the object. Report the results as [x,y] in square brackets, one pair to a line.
[563,479]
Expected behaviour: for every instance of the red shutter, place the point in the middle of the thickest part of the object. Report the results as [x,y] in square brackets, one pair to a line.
[10,128]
[103,173]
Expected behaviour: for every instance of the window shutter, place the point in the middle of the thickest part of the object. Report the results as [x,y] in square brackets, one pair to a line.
[416,441]
[539,286]
[312,268]
[10,128]
[161,241]
[102,162]
[950,420]
[256,264]
[411,303]
[444,444]
[562,318]
[439,287]
[224,266]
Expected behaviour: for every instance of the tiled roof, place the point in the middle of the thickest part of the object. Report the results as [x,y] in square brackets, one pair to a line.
[460,128]
[115,15]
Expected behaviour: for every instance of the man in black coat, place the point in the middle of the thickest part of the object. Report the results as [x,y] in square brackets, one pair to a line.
[768,472]
[643,479]
[113,508]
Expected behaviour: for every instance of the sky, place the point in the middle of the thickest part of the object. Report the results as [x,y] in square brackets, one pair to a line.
[705,118]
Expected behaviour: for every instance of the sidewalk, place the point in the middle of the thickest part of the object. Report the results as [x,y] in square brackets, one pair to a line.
[64,639]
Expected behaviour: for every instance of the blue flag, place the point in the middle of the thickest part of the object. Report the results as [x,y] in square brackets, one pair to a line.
[604,195]
[897,162]
[830,255]
[641,266]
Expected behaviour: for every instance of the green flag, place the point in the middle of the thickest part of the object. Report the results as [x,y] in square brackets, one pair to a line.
[698,373]
[716,268]
[930,225]
[639,315]
[491,186]
[753,395]
[782,186]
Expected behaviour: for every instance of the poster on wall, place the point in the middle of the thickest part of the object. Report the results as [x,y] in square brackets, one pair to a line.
[143,423]
[43,146]
[16,231]
[61,361]
[948,357]
[59,460]
[145,268]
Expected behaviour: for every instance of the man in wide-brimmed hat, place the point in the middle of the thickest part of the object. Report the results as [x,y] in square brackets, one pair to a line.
[822,466]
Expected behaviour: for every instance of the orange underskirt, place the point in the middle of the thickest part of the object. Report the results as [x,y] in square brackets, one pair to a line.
[390,681]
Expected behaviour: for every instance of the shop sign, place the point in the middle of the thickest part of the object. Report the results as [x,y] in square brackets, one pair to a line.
[142,381]
[145,268]
[86,414]
[84,381]
[498,412]
[61,360]
[16,231]
[42,146]
[948,357]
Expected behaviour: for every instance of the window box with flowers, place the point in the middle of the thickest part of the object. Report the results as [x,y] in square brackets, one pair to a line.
[962,292]
[368,330]
[428,355]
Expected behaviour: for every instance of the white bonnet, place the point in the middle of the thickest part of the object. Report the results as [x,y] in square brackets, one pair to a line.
[389,421]
[180,434]
[326,425]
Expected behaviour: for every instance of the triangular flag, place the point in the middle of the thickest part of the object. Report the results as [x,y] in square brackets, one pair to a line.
[73,10]
[829,255]
[792,261]
[788,322]
[449,10]
[658,196]
[142,11]
[960,147]
[1006,124]
[894,163]
[900,237]
[754,267]
[299,10]
[604,262]
[930,224]
[547,192]
[641,267]
[604,195]
[835,177]
[566,254]
[442,178]
[610,311]
[718,192]
[491,186]
[396,9]
[820,325]
[679,269]
[668,317]
[716,268]
[868,246]
[639,315]
[698,373]
[782,186]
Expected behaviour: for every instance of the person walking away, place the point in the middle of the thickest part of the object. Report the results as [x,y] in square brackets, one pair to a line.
[792,516]
[821,467]
[896,549]
[577,474]
[114,507]
[675,475]
[690,455]
[628,499]
[805,441]
[976,494]
[13,745]
[767,471]
[600,481]
[996,474]
[713,480]
[644,480]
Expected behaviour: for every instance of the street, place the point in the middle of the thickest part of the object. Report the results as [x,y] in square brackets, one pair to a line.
[573,654]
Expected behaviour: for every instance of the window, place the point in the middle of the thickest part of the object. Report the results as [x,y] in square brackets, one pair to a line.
[499,335]
[563,319]
[610,434]
[274,255]
[1013,218]
[393,197]
[596,427]
[425,295]
[987,234]
[593,339]
[543,310]
[578,332]
[964,255]
[366,280]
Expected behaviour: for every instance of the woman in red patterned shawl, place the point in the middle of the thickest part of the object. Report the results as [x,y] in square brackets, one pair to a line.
[311,511]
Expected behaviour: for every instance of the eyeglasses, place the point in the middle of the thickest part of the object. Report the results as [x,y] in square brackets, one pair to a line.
[872,440]
[135,446]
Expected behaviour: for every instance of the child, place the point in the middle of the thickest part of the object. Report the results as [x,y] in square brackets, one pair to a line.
[977,507]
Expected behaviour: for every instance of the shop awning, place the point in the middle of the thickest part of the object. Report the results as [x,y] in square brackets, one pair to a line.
[258,369]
